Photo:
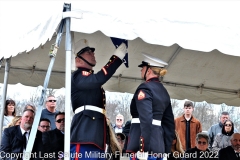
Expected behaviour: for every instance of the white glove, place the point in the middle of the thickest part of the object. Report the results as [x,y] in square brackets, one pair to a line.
[121,51]
[142,155]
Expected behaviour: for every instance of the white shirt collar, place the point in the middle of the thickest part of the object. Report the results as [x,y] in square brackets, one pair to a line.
[23,131]
[237,152]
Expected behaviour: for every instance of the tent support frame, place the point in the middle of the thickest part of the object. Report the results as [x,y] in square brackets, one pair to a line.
[43,94]
[68,48]
[4,94]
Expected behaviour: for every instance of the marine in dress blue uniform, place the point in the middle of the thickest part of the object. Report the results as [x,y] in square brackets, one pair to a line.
[88,128]
[152,129]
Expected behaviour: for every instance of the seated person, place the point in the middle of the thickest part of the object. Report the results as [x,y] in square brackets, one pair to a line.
[121,139]
[15,122]
[200,151]
[53,140]
[231,152]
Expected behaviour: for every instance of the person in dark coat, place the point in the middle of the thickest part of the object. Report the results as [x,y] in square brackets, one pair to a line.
[152,128]
[126,130]
[200,151]
[14,139]
[231,152]
[53,141]
[88,128]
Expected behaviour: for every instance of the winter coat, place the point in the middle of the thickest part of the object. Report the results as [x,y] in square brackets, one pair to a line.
[221,141]
[195,128]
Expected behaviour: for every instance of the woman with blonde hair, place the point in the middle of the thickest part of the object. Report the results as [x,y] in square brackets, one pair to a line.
[152,125]
[176,150]
[113,146]
[15,121]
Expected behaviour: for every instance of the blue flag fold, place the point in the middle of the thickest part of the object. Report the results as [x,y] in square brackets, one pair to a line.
[117,42]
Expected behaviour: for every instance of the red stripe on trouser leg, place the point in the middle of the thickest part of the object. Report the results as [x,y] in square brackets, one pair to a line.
[77,151]
[134,157]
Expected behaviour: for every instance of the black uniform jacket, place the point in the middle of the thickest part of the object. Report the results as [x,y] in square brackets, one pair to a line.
[12,142]
[89,127]
[151,101]
[227,153]
[53,143]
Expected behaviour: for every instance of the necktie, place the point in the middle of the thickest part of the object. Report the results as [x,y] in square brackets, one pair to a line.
[238,155]
[24,141]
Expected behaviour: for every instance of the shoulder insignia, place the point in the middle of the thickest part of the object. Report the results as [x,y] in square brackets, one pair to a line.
[141,95]
[85,73]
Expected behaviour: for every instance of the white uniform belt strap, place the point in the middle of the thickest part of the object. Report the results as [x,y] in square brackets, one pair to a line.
[154,121]
[135,120]
[90,107]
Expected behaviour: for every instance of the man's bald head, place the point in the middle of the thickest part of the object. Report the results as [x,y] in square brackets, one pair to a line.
[235,141]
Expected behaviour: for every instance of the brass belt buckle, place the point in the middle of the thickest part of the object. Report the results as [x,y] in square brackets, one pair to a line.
[104,112]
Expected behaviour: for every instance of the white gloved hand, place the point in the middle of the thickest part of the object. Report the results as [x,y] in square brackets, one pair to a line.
[121,51]
[142,155]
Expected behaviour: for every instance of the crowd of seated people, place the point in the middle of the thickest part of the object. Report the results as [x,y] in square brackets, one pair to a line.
[17,129]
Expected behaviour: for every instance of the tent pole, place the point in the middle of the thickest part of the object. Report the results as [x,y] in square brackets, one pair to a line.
[68,48]
[52,55]
[4,94]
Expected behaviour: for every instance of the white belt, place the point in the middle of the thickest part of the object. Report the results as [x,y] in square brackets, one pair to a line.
[135,120]
[154,121]
[90,107]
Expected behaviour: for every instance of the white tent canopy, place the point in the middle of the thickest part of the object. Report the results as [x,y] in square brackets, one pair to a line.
[199,40]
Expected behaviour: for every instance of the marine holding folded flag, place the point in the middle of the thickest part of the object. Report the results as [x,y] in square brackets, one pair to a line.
[152,129]
[88,128]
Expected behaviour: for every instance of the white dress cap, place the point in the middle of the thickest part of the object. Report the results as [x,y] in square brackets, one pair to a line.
[81,46]
[152,61]
[82,43]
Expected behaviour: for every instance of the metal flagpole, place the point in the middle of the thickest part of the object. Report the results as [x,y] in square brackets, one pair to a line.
[52,55]
[7,69]
[68,48]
